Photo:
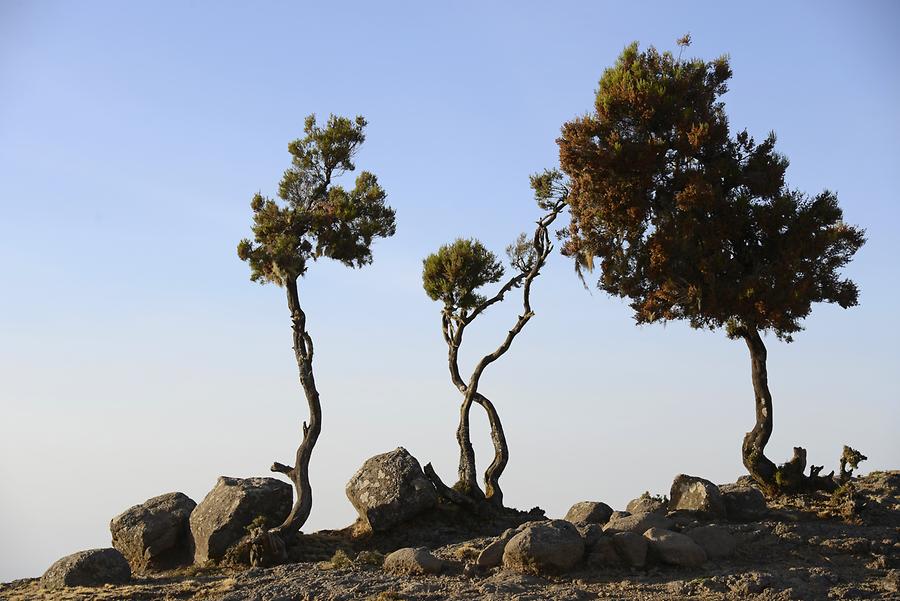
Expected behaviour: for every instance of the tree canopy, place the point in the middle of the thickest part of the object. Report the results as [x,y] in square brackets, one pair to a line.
[454,273]
[315,217]
[688,221]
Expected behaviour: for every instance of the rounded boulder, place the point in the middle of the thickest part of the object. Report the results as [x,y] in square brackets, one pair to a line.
[544,548]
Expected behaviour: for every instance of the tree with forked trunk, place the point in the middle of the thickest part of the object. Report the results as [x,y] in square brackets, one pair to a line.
[454,275]
[689,222]
[315,217]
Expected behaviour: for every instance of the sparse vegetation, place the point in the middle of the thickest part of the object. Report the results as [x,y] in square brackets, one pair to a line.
[370,558]
[339,561]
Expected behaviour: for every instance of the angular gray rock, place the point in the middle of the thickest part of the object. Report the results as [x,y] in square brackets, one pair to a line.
[544,548]
[691,493]
[717,541]
[588,512]
[674,548]
[87,568]
[637,523]
[647,504]
[222,517]
[743,503]
[591,533]
[409,561]
[632,548]
[155,534]
[389,489]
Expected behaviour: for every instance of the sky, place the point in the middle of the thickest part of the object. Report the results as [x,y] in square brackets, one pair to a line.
[137,358]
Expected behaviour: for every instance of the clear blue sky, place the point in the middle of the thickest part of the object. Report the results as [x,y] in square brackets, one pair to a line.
[137,358]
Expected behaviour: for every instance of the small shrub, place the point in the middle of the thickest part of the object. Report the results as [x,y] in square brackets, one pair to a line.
[339,561]
[370,558]
[466,553]
[258,522]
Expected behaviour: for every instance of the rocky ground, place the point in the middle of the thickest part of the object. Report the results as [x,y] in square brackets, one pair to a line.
[841,546]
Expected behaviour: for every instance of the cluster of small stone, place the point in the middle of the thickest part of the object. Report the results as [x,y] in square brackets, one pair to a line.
[684,531]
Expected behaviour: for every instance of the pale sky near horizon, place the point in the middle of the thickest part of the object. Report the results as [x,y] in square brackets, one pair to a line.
[137,358]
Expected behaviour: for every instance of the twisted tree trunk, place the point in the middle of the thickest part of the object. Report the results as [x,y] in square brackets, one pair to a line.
[760,467]
[299,473]
[467,479]
[467,483]
[492,490]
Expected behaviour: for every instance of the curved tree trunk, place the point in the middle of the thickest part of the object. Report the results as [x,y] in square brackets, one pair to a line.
[753,450]
[467,483]
[492,490]
[299,474]
[452,328]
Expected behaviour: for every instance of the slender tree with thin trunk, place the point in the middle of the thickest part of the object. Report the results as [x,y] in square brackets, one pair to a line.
[314,217]
[453,275]
[689,222]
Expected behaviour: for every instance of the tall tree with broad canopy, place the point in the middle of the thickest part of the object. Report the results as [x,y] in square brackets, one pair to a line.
[314,217]
[691,223]
[454,275]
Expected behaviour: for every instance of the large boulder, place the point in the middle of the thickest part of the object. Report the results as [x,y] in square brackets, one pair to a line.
[409,561]
[155,534]
[647,504]
[544,548]
[691,493]
[588,512]
[389,489]
[95,567]
[674,548]
[222,517]
[637,523]
[743,503]
[717,541]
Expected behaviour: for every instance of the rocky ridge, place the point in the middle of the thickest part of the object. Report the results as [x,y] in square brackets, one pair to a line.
[818,546]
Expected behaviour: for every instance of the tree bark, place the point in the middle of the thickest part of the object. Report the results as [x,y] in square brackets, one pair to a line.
[467,483]
[299,474]
[492,490]
[448,493]
[760,467]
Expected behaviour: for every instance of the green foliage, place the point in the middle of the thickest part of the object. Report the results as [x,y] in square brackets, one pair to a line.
[339,561]
[259,522]
[456,271]
[688,221]
[522,253]
[549,188]
[313,216]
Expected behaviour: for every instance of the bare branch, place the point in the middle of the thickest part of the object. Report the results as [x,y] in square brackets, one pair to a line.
[282,468]
[448,493]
